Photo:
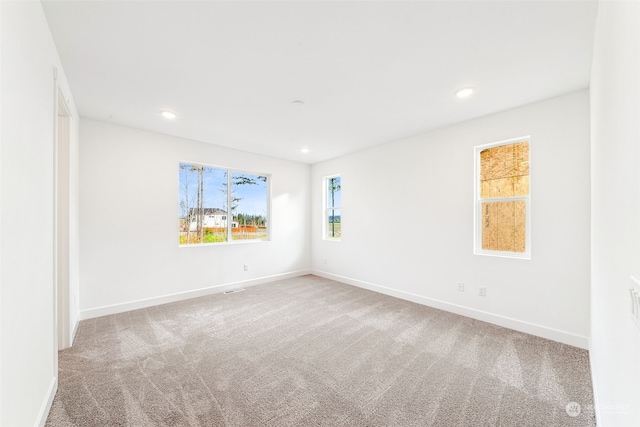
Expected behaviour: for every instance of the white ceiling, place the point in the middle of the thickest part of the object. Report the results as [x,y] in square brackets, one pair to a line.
[368,72]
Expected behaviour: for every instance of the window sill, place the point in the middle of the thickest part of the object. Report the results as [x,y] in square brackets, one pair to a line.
[231,243]
[513,255]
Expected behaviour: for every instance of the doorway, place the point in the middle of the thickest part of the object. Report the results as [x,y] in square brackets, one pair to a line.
[62,224]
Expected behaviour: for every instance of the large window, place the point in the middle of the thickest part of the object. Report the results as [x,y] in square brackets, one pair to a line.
[219,205]
[503,220]
[332,207]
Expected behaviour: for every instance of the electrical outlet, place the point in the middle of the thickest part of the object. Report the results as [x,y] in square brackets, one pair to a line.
[246,267]
[482,291]
[325,260]
[460,287]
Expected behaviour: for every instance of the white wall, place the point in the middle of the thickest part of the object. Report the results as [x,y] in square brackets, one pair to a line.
[28,364]
[426,184]
[1,179]
[615,228]
[129,253]
[74,224]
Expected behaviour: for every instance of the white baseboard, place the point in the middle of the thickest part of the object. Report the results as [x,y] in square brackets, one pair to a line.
[596,406]
[46,405]
[74,330]
[180,296]
[507,322]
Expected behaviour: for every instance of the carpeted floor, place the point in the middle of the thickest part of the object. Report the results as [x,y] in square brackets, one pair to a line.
[310,352]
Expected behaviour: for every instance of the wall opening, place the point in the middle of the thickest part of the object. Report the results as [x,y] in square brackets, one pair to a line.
[62,223]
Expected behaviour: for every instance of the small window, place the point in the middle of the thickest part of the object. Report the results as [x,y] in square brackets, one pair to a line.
[502,214]
[205,202]
[332,211]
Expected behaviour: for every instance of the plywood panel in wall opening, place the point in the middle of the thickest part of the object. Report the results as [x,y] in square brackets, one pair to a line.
[504,173]
[520,226]
[489,226]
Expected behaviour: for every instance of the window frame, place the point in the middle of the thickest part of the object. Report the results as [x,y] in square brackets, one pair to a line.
[327,208]
[229,232]
[477,211]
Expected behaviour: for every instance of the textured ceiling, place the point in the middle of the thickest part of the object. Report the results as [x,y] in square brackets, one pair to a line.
[368,72]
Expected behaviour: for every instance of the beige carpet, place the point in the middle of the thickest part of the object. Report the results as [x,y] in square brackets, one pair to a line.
[310,352]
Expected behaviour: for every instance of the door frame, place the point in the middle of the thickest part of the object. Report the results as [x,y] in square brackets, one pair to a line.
[62,210]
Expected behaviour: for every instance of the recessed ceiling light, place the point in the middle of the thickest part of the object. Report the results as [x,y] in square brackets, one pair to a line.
[168,115]
[464,92]
[304,150]
[298,102]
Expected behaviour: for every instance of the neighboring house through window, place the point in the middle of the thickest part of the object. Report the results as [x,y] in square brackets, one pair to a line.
[212,218]
[502,215]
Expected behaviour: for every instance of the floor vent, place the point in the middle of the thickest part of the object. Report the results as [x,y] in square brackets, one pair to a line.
[234,291]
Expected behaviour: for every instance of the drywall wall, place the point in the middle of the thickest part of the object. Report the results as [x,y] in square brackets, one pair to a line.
[615,227]
[29,343]
[1,179]
[130,255]
[407,221]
